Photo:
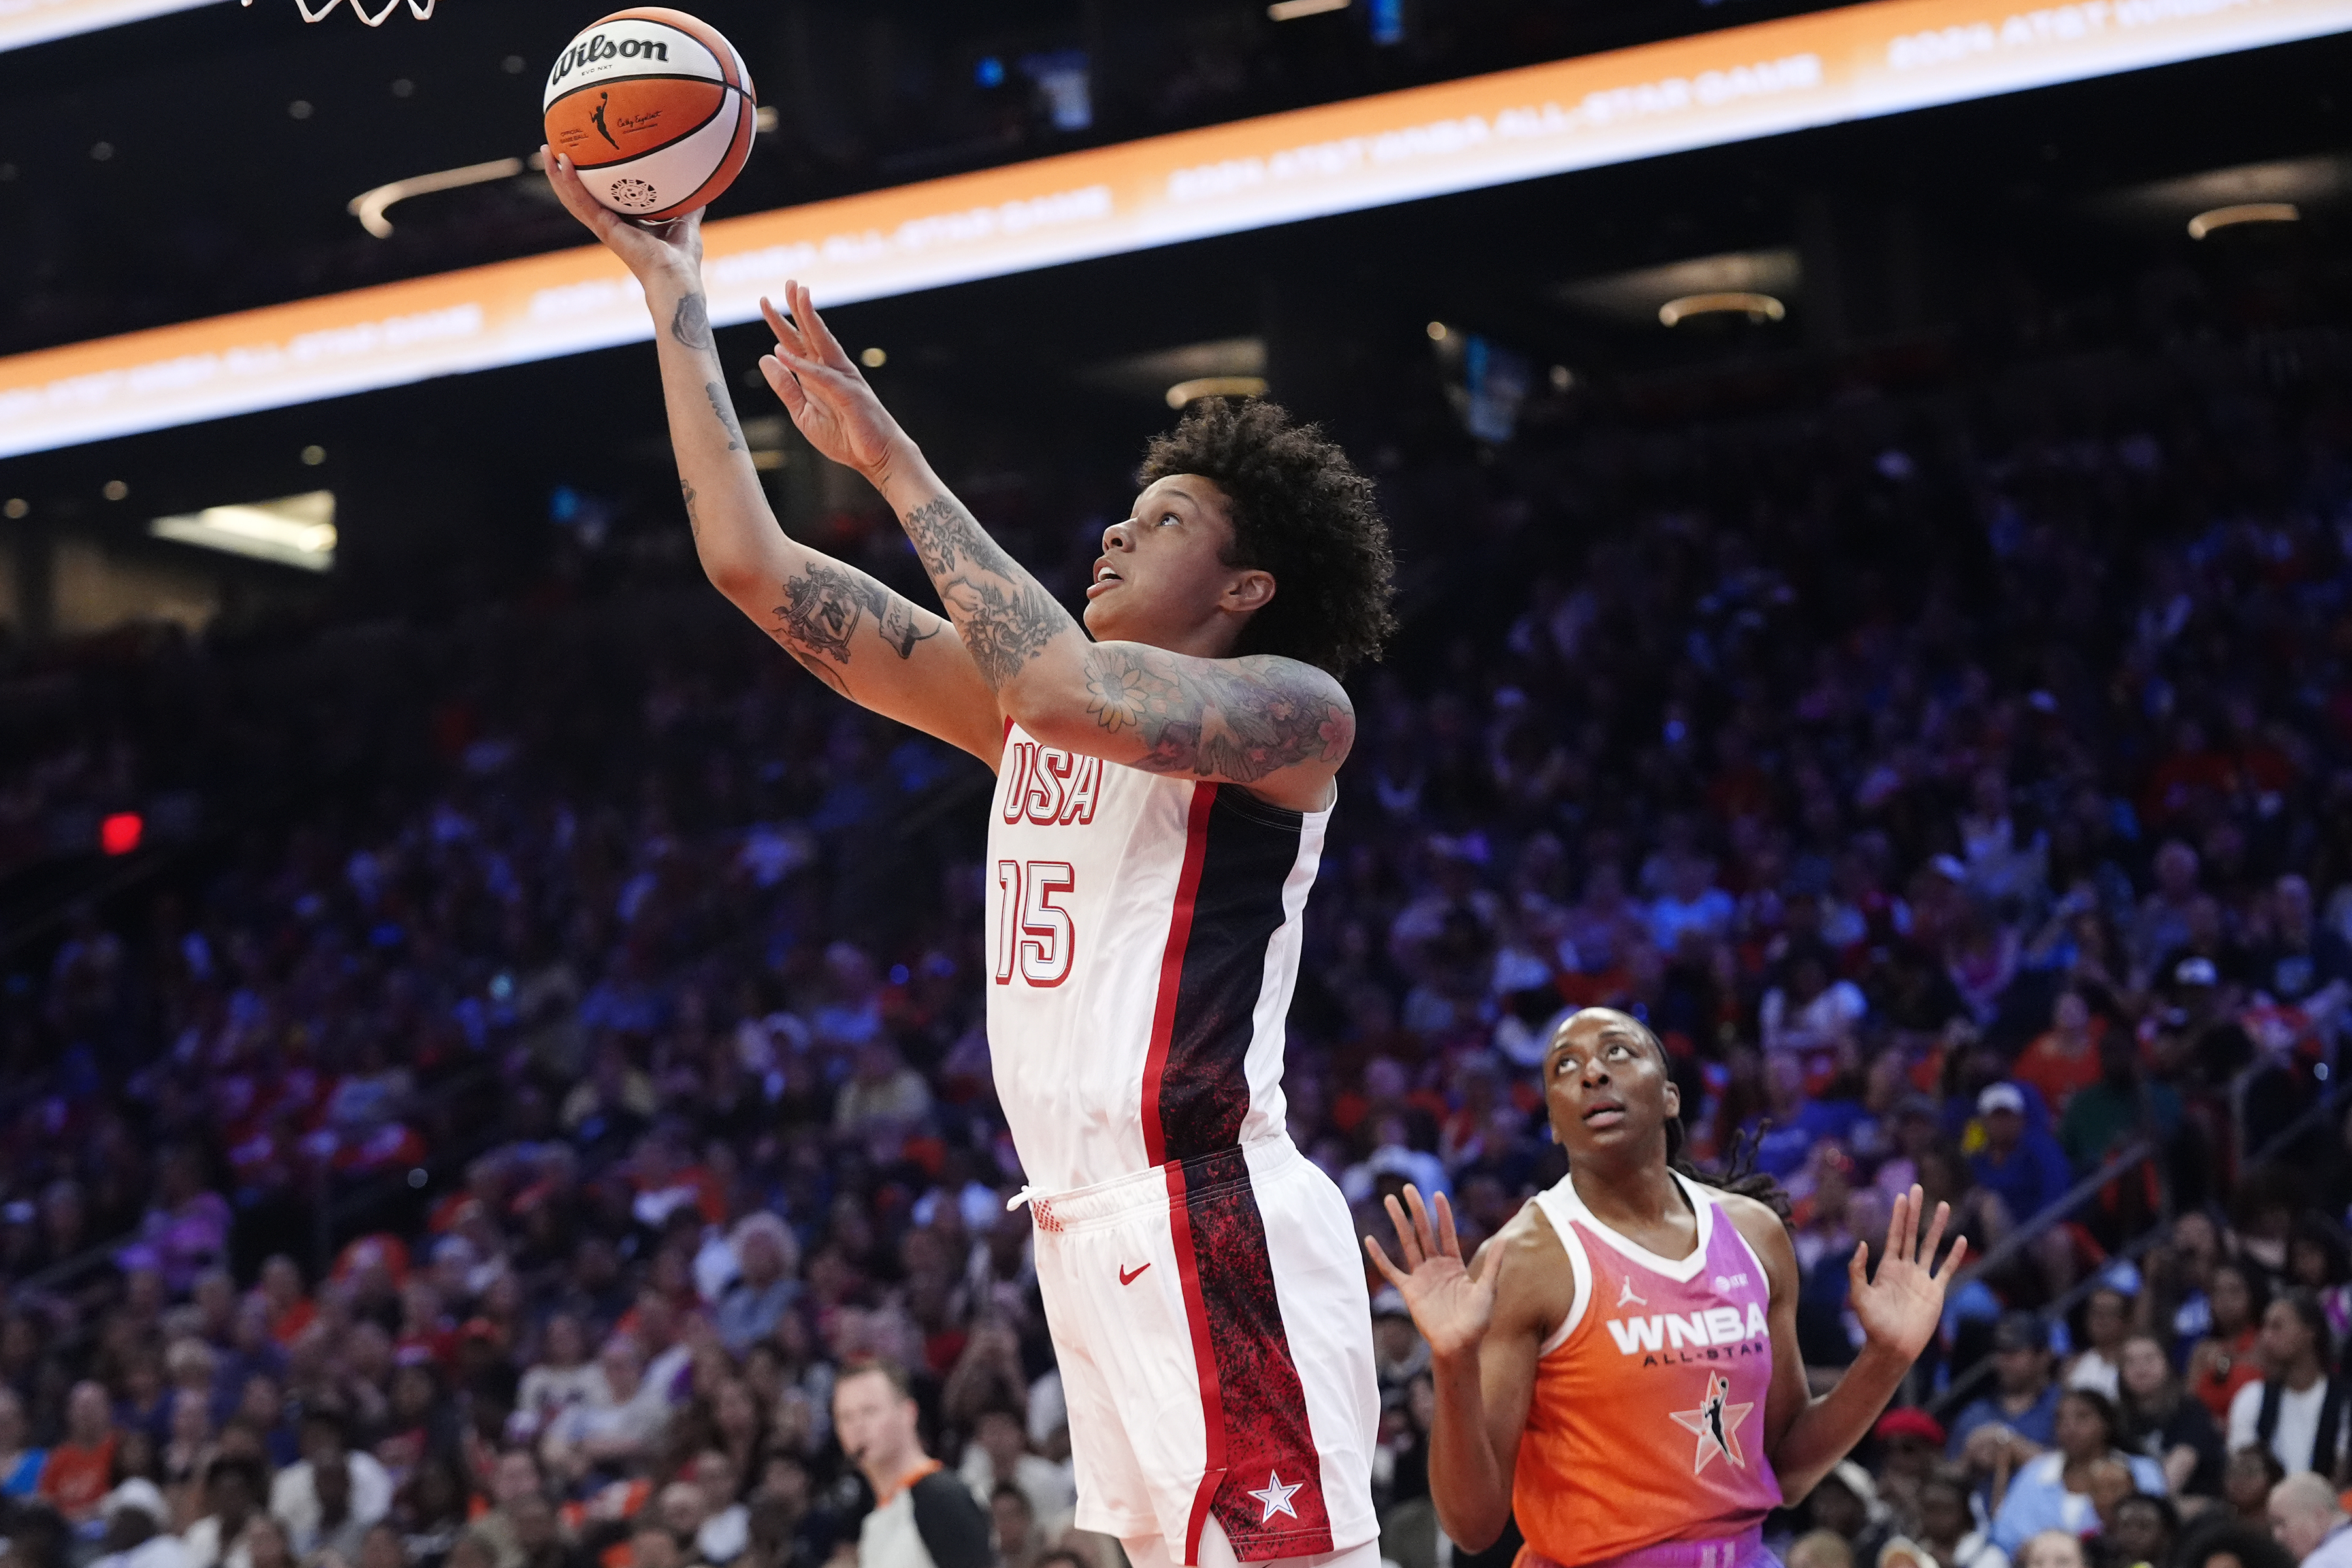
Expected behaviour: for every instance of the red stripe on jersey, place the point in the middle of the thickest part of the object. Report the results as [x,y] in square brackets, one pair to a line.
[1196,1307]
[1171,971]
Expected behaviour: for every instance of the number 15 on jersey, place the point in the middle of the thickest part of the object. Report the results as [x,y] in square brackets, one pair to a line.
[1034,935]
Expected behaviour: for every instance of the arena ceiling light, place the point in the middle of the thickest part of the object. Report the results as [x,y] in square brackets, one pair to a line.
[2280,191]
[292,530]
[2219,218]
[1184,392]
[1724,303]
[1291,10]
[370,207]
[1163,372]
[1667,293]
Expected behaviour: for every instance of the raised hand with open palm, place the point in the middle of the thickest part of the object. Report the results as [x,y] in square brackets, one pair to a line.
[1452,1304]
[1900,1306]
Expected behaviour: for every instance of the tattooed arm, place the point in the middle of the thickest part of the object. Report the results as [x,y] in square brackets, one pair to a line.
[866,642]
[1276,725]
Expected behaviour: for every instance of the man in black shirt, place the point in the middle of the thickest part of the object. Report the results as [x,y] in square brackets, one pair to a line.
[923,1517]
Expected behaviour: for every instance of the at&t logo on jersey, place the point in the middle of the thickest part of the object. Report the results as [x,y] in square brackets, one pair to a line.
[1667,1338]
[1051,787]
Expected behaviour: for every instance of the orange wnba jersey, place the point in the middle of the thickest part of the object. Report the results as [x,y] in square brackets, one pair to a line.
[1647,1423]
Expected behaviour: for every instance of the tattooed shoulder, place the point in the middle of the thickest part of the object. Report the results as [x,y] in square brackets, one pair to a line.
[1240,719]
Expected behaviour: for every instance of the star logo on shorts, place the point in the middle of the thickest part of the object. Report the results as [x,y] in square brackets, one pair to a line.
[1277,1497]
[1716,1423]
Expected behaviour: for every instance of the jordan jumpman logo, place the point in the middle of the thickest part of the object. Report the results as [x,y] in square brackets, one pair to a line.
[1627,1298]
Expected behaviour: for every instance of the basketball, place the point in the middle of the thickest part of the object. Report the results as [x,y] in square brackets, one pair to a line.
[655,108]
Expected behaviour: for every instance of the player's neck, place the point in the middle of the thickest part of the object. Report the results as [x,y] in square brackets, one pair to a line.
[1635,1200]
[1215,636]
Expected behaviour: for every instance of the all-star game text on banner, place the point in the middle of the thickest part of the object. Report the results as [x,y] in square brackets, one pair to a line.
[1879,58]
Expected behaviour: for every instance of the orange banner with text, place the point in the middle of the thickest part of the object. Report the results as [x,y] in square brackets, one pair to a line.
[1878,58]
[24,22]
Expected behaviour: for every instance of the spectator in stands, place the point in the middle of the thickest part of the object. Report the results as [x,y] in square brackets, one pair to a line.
[2162,1423]
[764,1285]
[2296,1409]
[2023,1166]
[2144,1530]
[2307,1518]
[2226,1360]
[80,1470]
[2053,1549]
[20,1462]
[299,1497]
[2247,1479]
[2064,1057]
[2119,1106]
[139,1529]
[1948,1528]
[2054,1490]
[1996,1432]
[235,1487]
[2107,1321]
[2019,1162]
[2318,1260]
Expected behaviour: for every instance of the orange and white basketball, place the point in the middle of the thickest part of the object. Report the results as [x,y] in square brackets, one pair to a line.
[655,108]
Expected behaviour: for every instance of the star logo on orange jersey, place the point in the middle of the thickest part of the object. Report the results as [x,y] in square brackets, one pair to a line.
[1715,1424]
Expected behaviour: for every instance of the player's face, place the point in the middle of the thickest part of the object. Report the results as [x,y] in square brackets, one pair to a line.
[1162,573]
[1606,1086]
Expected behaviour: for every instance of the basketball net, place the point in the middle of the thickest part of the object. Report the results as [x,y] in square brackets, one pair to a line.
[420,9]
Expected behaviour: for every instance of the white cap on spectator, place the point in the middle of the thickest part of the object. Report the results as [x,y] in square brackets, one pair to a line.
[138,1493]
[2000,1097]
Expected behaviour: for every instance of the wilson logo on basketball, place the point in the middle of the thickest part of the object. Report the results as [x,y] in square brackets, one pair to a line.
[597,46]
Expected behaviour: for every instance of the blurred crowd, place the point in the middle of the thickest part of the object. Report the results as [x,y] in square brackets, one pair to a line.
[489,1147]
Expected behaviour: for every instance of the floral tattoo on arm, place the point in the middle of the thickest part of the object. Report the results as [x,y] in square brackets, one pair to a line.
[1005,617]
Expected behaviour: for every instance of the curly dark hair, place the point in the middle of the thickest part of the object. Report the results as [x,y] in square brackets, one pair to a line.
[1301,512]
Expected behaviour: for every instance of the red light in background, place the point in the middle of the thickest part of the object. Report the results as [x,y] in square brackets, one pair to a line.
[119,833]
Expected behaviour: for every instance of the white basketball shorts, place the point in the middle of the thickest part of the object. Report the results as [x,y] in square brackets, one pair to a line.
[1214,1336]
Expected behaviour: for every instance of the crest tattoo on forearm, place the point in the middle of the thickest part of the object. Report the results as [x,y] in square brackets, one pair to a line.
[1239,719]
[1002,614]
[824,606]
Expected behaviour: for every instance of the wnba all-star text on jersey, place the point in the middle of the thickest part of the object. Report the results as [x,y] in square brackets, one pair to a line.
[1051,787]
[1683,1338]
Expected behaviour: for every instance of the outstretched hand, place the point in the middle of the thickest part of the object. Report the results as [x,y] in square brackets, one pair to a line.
[644,248]
[1450,1306]
[824,390]
[1900,1308]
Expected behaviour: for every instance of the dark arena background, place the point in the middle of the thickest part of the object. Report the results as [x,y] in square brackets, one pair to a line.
[1872,490]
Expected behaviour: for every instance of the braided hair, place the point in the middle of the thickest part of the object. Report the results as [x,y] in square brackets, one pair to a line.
[1739,1174]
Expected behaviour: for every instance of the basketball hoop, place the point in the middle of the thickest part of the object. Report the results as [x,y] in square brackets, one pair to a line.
[420,9]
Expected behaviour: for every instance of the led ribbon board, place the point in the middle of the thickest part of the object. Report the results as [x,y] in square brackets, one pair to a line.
[24,22]
[1883,57]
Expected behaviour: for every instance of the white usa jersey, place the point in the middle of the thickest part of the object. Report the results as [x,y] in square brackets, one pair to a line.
[1143,937]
